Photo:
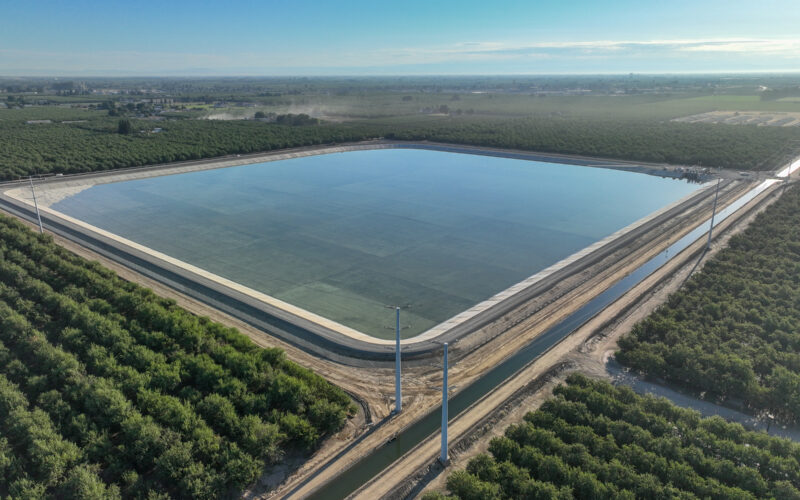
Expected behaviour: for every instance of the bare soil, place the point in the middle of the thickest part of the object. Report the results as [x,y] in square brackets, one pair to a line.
[761,118]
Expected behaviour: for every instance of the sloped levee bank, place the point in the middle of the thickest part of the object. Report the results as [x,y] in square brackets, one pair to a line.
[83,180]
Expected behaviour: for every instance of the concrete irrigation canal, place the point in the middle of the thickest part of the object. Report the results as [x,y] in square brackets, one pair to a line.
[371,465]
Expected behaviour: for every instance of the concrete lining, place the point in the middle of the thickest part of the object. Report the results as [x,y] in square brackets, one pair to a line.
[52,193]
[55,188]
[487,304]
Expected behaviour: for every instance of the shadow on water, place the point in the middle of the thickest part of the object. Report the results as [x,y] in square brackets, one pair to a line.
[372,465]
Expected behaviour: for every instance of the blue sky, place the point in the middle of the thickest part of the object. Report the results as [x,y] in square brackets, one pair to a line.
[177,37]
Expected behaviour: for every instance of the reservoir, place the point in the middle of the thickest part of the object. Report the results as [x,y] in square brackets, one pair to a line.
[344,235]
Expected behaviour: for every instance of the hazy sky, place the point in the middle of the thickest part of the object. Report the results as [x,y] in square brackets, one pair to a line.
[235,37]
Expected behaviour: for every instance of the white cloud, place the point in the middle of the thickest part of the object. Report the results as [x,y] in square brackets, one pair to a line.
[581,50]
[784,48]
[787,47]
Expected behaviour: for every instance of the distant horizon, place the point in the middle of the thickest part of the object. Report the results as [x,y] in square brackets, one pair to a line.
[399,75]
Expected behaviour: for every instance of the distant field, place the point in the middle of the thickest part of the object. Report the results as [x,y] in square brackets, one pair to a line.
[635,127]
[344,235]
[694,105]
[18,117]
[658,107]
[760,118]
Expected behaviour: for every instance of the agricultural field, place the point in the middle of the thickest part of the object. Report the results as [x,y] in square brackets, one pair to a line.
[627,107]
[760,118]
[108,391]
[731,332]
[97,144]
[594,441]
[604,117]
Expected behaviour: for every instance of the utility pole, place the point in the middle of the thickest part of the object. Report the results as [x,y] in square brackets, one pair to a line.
[713,213]
[443,457]
[35,204]
[398,387]
[398,392]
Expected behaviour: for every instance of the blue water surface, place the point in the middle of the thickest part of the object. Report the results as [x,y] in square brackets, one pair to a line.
[345,234]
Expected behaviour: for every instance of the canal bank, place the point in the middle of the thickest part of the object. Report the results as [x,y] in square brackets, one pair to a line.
[418,445]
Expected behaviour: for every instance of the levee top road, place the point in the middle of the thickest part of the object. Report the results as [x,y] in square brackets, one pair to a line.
[343,235]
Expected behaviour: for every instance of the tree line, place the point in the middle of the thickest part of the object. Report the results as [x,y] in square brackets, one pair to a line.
[108,388]
[733,331]
[103,142]
[596,441]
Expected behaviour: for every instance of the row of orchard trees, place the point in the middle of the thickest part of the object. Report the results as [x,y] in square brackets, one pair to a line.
[739,147]
[96,144]
[35,459]
[595,441]
[120,389]
[733,331]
